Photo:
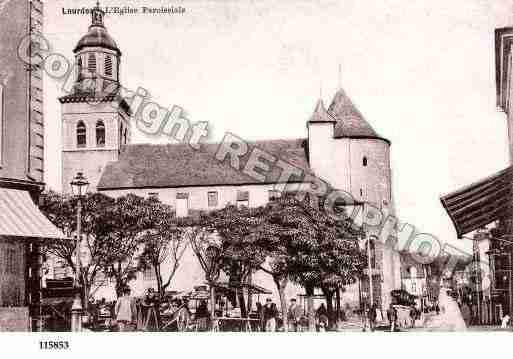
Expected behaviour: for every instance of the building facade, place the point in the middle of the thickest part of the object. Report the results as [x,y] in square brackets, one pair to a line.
[94,116]
[22,226]
[421,280]
[489,200]
[340,148]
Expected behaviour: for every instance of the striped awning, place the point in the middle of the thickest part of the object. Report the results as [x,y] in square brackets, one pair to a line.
[19,217]
[480,203]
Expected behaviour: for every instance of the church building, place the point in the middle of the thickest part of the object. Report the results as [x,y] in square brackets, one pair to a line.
[340,147]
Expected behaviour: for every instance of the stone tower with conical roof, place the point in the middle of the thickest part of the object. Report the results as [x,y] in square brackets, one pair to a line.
[345,151]
[95,118]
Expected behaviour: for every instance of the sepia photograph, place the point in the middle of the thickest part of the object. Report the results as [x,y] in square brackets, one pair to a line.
[255,166]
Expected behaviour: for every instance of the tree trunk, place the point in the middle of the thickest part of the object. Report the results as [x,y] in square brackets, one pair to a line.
[242,303]
[212,303]
[328,294]
[250,295]
[337,306]
[85,294]
[281,285]
[159,281]
[310,308]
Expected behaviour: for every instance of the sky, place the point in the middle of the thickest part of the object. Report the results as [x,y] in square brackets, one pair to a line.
[421,72]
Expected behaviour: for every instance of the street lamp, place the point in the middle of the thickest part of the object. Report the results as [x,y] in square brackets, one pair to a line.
[79,186]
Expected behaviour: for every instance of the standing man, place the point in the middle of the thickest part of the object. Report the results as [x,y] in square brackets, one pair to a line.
[150,311]
[373,313]
[294,315]
[322,318]
[392,317]
[125,311]
[270,314]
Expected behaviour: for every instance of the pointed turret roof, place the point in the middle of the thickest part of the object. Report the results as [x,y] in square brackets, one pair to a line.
[350,122]
[320,114]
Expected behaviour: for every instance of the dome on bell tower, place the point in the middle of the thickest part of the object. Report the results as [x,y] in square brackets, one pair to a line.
[97,36]
[97,58]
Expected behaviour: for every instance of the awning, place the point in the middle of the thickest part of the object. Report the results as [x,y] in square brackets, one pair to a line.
[480,203]
[19,217]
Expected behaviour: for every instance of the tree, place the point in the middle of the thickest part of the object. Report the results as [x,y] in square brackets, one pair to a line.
[320,251]
[128,218]
[275,241]
[61,211]
[238,231]
[207,249]
[165,243]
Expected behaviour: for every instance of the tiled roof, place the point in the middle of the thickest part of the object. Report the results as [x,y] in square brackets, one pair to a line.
[350,122]
[320,114]
[93,98]
[179,165]
[480,203]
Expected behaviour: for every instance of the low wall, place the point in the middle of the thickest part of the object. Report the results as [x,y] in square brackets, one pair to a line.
[14,319]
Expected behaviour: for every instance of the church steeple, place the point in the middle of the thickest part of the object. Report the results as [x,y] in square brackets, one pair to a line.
[97,15]
[98,57]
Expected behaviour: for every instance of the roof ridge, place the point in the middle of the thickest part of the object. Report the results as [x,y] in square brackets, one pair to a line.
[320,114]
[350,121]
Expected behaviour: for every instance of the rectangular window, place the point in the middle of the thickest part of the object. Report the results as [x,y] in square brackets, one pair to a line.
[154,195]
[501,279]
[100,280]
[274,195]
[149,274]
[213,199]
[182,204]
[242,198]
[10,261]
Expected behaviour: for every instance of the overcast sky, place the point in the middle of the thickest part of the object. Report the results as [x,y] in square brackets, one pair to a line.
[421,72]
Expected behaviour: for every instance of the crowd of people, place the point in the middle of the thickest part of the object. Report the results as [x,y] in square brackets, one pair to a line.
[129,314]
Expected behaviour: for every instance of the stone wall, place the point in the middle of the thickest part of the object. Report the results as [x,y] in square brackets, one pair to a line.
[92,158]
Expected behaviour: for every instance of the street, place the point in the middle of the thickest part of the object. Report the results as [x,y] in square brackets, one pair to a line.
[449,319]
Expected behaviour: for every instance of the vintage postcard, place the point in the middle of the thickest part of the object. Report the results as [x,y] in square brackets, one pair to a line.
[255,166]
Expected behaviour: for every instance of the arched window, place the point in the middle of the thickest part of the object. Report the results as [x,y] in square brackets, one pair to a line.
[79,68]
[125,136]
[364,161]
[108,65]
[81,134]
[91,66]
[100,134]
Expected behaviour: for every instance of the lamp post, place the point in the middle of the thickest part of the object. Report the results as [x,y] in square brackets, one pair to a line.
[79,186]
[369,262]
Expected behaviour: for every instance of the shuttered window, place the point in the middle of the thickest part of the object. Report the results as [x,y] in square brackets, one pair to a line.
[91,65]
[10,261]
[213,199]
[149,274]
[242,198]
[274,195]
[108,65]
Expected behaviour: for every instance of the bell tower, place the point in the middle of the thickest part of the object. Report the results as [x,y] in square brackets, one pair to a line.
[95,118]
